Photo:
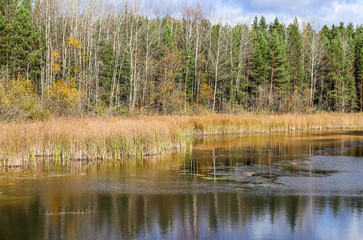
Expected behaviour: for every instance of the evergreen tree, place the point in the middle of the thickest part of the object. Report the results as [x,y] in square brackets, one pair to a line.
[255,23]
[262,24]
[342,88]
[106,66]
[3,42]
[260,67]
[169,37]
[7,8]
[276,25]
[24,43]
[358,50]
[295,55]
[280,70]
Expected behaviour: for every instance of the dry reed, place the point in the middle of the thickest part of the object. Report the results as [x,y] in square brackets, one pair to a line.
[119,138]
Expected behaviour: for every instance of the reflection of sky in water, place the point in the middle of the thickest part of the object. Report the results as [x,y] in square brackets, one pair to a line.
[316,193]
[181,216]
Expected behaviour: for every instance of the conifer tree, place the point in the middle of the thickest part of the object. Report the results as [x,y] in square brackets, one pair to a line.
[342,88]
[260,67]
[3,42]
[295,55]
[24,43]
[6,14]
[358,50]
[279,64]
[106,67]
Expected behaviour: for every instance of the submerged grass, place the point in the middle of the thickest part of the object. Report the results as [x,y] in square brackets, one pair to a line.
[56,140]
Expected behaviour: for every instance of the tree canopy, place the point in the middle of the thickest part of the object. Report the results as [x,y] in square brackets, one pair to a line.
[90,58]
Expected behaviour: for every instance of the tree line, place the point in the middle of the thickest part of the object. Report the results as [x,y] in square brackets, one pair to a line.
[74,57]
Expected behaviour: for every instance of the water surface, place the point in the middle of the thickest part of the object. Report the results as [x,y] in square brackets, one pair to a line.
[281,186]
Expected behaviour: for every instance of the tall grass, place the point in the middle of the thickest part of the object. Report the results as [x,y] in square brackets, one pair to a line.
[56,140]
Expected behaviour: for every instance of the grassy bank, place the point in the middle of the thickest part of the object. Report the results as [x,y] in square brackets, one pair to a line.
[56,140]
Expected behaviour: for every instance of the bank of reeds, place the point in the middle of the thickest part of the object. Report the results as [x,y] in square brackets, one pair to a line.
[119,138]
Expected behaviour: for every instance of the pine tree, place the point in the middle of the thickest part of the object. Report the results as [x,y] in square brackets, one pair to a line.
[342,88]
[276,25]
[280,72]
[169,37]
[2,39]
[260,68]
[295,55]
[7,8]
[24,43]
[358,50]
[262,24]
[255,23]
[107,62]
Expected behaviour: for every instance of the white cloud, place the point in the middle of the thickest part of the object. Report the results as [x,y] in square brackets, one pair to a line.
[241,11]
[343,12]
[280,4]
[317,12]
[231,14]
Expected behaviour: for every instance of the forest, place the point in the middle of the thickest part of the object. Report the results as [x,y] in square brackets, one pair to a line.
[89,58]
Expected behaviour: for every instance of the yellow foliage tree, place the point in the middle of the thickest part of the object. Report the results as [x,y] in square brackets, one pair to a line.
[18,101]
[63,97]
[75,43]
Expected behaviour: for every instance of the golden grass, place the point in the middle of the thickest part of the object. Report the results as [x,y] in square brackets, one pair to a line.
[118,138]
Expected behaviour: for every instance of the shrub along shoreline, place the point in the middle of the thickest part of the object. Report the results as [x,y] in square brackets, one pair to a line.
[92,139]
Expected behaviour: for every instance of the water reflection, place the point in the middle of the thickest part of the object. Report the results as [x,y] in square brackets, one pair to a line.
[256,159]
[287,186]
[186,216]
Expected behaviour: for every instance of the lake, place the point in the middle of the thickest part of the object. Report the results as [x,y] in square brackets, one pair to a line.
[302,185]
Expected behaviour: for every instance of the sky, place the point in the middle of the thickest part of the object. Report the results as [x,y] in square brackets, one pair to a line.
[319,12]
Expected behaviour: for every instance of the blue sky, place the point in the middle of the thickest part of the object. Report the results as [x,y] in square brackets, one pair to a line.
[319,12]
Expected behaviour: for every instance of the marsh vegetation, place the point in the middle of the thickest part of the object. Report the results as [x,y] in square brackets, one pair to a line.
[57,141]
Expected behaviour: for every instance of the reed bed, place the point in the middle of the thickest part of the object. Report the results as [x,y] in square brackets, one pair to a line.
[93,139]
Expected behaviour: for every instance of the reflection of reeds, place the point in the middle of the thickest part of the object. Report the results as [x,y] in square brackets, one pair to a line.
[116,138]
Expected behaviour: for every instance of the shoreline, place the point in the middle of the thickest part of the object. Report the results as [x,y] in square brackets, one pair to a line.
[111,138]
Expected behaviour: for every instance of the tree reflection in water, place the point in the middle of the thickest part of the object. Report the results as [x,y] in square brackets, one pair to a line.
[174,199]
